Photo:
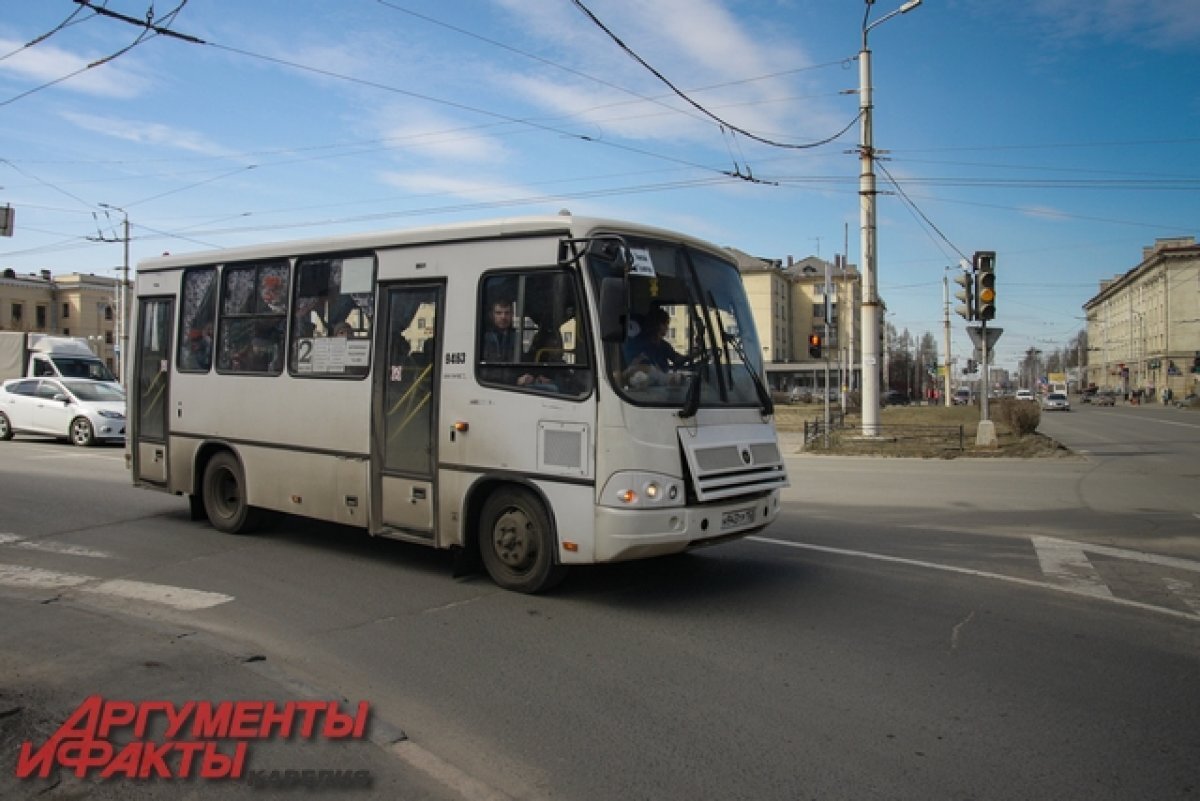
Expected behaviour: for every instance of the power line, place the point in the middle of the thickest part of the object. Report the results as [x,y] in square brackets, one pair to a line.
[150,31]
[43,37]
[723,123]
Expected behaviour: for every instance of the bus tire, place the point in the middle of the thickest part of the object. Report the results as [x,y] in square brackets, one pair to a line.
[224,491]
[517,542]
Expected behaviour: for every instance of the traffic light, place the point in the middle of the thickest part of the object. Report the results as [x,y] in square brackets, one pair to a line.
[814,345]
[966,295]
[985,284]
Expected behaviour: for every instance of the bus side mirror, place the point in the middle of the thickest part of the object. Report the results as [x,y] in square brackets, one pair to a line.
[614,309]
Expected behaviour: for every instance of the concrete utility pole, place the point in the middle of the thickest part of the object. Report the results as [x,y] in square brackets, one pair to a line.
[866,191]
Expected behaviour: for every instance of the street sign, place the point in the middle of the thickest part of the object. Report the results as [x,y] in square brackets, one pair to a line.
[993,334]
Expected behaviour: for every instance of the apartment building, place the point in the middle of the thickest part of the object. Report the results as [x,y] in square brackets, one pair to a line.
[1143,327]
[788,300]
[67,305]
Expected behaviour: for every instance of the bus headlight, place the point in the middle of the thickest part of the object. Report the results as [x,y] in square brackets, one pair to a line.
[634,490]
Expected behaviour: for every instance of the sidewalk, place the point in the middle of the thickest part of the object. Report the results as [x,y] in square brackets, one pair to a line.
[54,654]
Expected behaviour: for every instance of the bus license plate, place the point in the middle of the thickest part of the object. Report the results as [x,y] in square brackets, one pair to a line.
[737,518]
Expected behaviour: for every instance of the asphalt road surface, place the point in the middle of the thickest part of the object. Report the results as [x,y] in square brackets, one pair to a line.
[909,629]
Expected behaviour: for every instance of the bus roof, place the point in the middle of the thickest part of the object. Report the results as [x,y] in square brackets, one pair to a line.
[546,225]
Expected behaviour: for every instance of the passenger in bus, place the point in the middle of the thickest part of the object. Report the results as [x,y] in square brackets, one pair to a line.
[546,347]
[499,340]
[649,358]
[197,354]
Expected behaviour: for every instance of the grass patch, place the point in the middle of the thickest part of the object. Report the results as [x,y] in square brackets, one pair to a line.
[931,432]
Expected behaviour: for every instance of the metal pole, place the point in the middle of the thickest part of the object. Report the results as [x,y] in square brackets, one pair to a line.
[946,325]
[984,412]
[124,338]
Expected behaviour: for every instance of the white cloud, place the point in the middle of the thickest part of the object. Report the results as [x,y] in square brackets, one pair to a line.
[429,135]
[476,190]
[693,43]
[146,133]
[1151,23]
[44,63]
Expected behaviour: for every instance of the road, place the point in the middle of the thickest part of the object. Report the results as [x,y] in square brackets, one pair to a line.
[909,629]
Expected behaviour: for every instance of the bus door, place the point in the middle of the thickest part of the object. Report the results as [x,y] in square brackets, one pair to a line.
[151,362]
[404,414]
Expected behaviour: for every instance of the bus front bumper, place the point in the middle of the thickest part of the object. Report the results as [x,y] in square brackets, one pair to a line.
[623,534]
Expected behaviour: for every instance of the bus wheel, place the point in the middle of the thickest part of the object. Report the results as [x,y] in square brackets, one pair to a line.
[81,432]
[517,542]
[225,495]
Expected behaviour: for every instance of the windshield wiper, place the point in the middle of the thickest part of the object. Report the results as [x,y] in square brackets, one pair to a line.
[760,386]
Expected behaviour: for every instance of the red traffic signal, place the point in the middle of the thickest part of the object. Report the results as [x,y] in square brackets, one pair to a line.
[814,345]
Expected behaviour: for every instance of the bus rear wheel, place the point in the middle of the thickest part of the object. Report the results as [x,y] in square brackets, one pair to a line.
[517,542]
[224,492]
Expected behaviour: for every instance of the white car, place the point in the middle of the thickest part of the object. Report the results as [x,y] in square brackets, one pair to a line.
[1056,400]
[77,409]
[1025,395]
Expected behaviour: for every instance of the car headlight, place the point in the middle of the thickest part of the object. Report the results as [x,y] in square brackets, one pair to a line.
[111,415]
[637,490]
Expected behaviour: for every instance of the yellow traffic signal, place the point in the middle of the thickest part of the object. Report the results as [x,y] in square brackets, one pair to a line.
[985,284]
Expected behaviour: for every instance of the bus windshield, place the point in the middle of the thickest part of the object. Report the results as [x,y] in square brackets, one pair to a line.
[690,340]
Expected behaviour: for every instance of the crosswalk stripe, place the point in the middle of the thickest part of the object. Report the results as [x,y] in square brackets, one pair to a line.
[23,577]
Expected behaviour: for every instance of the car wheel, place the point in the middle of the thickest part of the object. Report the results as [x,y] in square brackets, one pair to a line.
[517,542]
[225,495]
[82,433]
[6,432]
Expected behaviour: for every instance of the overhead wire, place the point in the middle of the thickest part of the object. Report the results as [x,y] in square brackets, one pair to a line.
[149,32]
[686,98]
[43,37]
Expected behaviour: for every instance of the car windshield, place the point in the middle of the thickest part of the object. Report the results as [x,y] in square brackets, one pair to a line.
[89,391]
[82,368]
[690,339]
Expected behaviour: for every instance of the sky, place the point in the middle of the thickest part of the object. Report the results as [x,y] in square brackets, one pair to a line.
[1060,134]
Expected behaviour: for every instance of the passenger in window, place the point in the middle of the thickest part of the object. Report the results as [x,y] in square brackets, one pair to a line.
[197,354]
[500,340]
[546,347]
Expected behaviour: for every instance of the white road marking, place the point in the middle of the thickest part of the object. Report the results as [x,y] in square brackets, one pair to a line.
[1066,564]
[53,547]
[1184,591]
[182,598]
[966,571]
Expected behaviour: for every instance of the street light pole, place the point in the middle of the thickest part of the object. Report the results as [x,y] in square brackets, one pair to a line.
[870,305]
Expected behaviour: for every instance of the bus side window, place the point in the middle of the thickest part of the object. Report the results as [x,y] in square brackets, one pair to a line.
[529,333]
[332,316]
[253,318]
[196,320]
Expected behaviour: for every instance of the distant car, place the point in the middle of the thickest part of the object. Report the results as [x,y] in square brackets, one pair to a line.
[78,409]
[1056,401]
[894,398]
[1191,401]
[1105,399]
[1025,395]
[961,397]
